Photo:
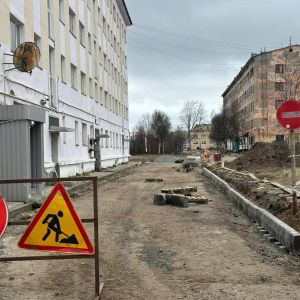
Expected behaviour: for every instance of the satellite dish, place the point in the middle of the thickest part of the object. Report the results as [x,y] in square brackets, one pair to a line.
[26,57]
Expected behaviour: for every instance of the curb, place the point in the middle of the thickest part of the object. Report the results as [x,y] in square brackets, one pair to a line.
[77,188]
[283,233]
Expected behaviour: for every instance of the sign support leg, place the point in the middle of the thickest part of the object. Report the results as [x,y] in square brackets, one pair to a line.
[292,139]
[98,289]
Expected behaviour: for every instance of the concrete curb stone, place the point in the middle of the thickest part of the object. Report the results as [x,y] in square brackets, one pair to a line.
[283,233]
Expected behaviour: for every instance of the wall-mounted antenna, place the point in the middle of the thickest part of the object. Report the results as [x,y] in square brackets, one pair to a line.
[25,58]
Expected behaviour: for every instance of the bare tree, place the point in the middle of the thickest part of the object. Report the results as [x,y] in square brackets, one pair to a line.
[193,113]
[160,124]
[146,123]
[291,87]
[225,125]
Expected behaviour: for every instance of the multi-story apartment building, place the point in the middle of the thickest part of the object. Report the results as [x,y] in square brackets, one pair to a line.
[200,137]
[263,83]
[81,82]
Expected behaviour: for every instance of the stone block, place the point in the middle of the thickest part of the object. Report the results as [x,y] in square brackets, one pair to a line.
[159,199]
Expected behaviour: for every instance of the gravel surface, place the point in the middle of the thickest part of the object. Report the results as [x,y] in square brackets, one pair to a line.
[159,252]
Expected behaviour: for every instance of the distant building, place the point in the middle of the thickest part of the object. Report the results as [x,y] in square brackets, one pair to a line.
[258,89]
[200,137]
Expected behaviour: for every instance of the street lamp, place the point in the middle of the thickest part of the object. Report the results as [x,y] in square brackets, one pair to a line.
[97,150]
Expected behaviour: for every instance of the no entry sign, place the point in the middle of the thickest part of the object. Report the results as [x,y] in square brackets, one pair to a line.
[3,215]
[288,114]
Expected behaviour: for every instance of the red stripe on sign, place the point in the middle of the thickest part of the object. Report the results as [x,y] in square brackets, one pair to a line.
[290,114]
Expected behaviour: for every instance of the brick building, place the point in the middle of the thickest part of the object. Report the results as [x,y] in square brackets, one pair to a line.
[263,83]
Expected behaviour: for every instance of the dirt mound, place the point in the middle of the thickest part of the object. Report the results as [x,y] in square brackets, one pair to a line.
[262,154]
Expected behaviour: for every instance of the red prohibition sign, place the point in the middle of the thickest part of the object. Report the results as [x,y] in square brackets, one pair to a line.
[3,215]
[288,114]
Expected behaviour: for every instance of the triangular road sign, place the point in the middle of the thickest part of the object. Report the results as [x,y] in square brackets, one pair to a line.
[57,227]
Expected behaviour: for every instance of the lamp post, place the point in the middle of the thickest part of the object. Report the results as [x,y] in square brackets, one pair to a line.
[97,151]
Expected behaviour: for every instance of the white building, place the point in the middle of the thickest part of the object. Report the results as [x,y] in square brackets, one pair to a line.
[81,80]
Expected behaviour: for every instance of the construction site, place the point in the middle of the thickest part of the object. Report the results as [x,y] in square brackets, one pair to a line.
[167,233]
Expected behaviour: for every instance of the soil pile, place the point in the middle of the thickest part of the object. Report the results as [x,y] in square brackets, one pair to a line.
[262,154]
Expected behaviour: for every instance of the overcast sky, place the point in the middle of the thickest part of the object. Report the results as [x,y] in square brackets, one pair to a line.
[192,49]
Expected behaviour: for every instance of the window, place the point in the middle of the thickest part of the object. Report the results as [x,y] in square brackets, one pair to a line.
[72,20]
[15,34]
[91,88]
[62,10]
[279,68]
[53,102]
[105,61]
[96,92]
[106,99]
[279,86]
[278,102]
[37,41]
[73,77]
[101,140]
[106,139]
[76,134]
[81,34]
[101,96]
[84,135]
[64,134]
[50,19]
[91,131]
[63,68]
[90,42]
[83,83]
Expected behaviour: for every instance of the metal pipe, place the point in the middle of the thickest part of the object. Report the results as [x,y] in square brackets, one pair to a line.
[45,257]
[19,223]
[38,180]
[96,238]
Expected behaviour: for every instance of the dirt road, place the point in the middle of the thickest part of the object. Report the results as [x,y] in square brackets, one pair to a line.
[160,252]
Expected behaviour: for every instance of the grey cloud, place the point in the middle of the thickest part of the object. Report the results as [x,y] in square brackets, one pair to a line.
[165,80]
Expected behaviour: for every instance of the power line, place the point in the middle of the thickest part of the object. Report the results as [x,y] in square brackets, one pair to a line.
[197,39]
[179,57]
[182,47]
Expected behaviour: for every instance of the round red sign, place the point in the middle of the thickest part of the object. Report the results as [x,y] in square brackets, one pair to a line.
[288,114]
[3,215]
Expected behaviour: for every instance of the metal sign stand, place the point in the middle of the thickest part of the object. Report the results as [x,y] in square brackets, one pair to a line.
[294,193]
[95,220]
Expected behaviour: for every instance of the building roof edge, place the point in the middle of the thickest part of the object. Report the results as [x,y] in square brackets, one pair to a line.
[247,64]
[124,11]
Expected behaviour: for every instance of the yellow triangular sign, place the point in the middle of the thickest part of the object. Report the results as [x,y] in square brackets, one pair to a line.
[57,227]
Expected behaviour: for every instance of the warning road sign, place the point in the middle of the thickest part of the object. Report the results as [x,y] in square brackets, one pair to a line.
[57,227]
[3,215]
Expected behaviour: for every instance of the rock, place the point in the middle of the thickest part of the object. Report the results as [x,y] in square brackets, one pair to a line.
[11,278]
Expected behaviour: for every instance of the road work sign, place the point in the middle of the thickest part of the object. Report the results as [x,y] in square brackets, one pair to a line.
[288,114]
[57,227]
[3,215]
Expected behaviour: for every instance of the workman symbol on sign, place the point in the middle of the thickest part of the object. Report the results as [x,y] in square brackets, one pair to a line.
[54,225]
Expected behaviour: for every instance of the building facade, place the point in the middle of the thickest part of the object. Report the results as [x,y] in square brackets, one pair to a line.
[263,83]
[200,137]
[81,81]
